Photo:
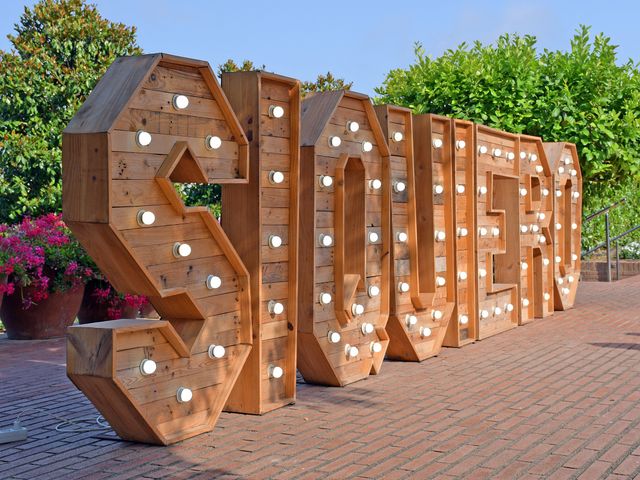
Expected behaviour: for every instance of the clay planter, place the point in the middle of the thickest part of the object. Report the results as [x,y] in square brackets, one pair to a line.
[48,319]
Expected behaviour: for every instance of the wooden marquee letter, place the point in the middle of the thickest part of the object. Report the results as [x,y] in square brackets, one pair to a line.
[567,221]
[344,239]
[498,235]
[261,219]
[152,121]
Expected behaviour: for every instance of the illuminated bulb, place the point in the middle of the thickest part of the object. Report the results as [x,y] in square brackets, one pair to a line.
[463,319]
[545,261]
[534,228]
[533,157]
[325,240]
[373,290]
[547,296]
[399,187]
[524,265]
[525,302]
[523,155]
[558,226]
[184,395]
[574,172]
[275,241]
[425,332]
[462,276]
[353,127]
[373,237]
[143,138]
[212,142]
[411,320]
[484,313]
[437,143]
[441,281]
[375,347]
[482,273]
[326,180]
[324,298]
[213,282]
[460,188]
[367,146]
[545,192]
[539,169]
[560,169]
[146,218]
[575,194]
[523,192]
[570,279]
[147,367]
[403,287]
[460,144]
[438,189]
[558,259]
[496,152]
[276,177]
[216,351]
[275,308]
[402,237]
[335,141]
[333,337]
[367,328]
[357,309]
[483,149]
[559,281]
[351,351]
[180,102]
[375,184]
[436,314]
[541,216]
[397,136]
[542,239]
[181,250]
[440,236]
[567,160]
[524,229]
[462,232]
[276,111]
[574,257]
[497,311]
[511,156]
[482,190]
[275,371]
[509,307]
[565,291]
[574,226]
[495,231]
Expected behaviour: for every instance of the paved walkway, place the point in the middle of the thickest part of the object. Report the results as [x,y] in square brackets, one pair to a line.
[559,398]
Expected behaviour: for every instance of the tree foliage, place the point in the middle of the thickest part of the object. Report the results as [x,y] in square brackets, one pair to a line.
[60,50]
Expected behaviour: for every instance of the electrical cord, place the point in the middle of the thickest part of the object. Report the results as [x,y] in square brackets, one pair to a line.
[78,425]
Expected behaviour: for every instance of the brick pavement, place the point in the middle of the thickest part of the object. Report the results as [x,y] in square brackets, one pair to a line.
[559,398]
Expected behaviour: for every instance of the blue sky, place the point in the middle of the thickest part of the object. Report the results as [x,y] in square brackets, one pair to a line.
[360,41]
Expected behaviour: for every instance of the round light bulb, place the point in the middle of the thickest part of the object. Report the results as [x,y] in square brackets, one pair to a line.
[523,192]
[275,308]
[497,310]
[482,273]
[541,216]
[441,281]
[574,257]
[411,320]
[275,241]
[483,149]
[403,287]
[462,232]
[484,313]
[463,319]
[373,237]
[539,169]
[523,155]
[575,194]
[482,190]
[545,192]
[495,231]
[436,314]
[440,235]
[184,395]
[373,290]
[460,189]
[375,184]
[524,265]
[326,181]
[509,307]
[143,138]
[547,296]
[534,228]
[351,351]
[276,111]
[570,279]
[545,261]
[560,281]
[542,239]
[367,328]
[212,142]
[437,143]
[565,291]
[397,136]
[558,226]
[558,259]
[324,298]
[147,367]
[367,146]
[402,237]
[276,177]
[567,160]
[438,189]
[325,240]
[496,152]
[511,156]
[180,102]
[399,187]
[425,332]
[357,309]
[533,157]
[333,337]
[375,347]
[181,250]
[525,302]
[460,144]
[524,229]
[216,351]
[353,127]
[213,282]
[462,276]
[558,193]
[561,170]
[275,371]
[574,226]
[146,218]
[335,141]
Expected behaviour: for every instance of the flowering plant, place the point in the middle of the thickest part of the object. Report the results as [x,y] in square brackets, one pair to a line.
[41,253]
[116,302]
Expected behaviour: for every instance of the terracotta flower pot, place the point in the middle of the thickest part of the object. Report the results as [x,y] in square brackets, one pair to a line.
[48,319]
[91,310]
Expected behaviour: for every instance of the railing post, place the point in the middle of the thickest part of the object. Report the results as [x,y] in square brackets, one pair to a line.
[617,260]
[608,240]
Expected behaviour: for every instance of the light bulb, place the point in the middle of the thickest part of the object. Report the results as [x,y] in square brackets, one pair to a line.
[143,138]
[147,367]
[567,160]
[560,170]
[440,235]
[325,240]
[541,216]
[545,192]
[463,319]
[276,111]
[353,127]
[524,265]
[373,290]
[539,169]
[495,231]
[397,136]
[437,143]
[509,307]
[482,190]
[497,311]
[375,184]
[351,351]
[484,313]
[511,156]
[146,218]
[523,155]
[367,328]
[547,296]
[558,226]
[534,228]
[525,302]
[275,241]
[575,194]
[462,232]
[524,229]
[425,332]
[523,192]
[533,157]
[333,337]
[181,250]
[402,237]
[574,257]
[542,239]
[565,291]
[570,279]
[324,298]
[496,152]
[357,309]
[483,149]
[275,308]
[460,188]
[462,276]
[335,141]
[436,314]
[411,320]
[326,181]
[403,287]
[180,102]
[399,187]
[545,261]
[460,144]
[216,351]
[213,282]
[482,273]
[275,371]
[375,347]
[558,259]
[574,226]
[184,395]
[373,237]
[441,281]
[212,142]
[559,281]
[276,177]
[367,146]
[438,189]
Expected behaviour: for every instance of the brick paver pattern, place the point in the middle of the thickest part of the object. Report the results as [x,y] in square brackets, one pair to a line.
[559,398]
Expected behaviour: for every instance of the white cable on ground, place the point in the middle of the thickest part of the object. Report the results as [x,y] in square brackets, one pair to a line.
[77,425]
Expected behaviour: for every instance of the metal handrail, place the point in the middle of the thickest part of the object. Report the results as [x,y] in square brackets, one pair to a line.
[593,215]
